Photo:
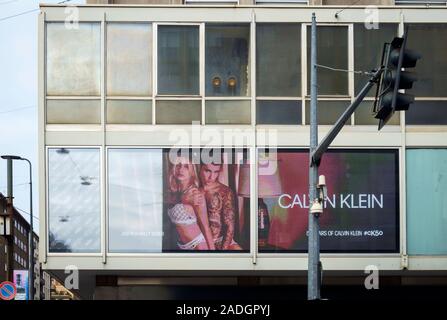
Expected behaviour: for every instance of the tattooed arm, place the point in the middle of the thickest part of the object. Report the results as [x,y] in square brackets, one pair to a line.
[229,216]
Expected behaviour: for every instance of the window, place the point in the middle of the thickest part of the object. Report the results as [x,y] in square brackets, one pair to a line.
[278,112]
[129,59]
[73,111]
[368,46]
[281,1]
[178,111]
[135,200]
[427,113]
[151,206]
[429,40]
[227,60]
[328,111]
[278,59]
[332,51]
[129,72]
[426,201]
[362,208]
[420,2]
[73,59]
[211,1]
[178,60]
[227,112]
[74,200]
[129,111]
[365,116]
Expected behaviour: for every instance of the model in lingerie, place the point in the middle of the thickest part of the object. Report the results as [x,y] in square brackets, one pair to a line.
[188,210]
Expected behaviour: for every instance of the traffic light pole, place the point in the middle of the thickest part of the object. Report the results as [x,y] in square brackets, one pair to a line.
[313,283]
[315,155]
[332,134]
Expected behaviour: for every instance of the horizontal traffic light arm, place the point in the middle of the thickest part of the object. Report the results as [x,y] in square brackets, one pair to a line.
[332,134]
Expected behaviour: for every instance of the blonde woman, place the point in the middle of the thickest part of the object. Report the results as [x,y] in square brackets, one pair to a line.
[187,209]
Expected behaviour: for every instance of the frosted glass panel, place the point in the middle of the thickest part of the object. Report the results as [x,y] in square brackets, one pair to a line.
[178,112]
[73,59]
[129,111]
[426,201]
[129,59]
[228,112]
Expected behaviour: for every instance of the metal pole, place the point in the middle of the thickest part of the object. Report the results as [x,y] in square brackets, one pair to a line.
[332,134]
[10,211]
[31,235]
[313,284]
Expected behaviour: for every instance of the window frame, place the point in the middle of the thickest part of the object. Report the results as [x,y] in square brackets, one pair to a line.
[102,203]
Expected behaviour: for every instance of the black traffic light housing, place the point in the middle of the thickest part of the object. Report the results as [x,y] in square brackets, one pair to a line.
[388,100]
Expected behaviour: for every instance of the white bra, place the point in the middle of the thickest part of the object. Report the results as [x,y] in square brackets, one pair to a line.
[180,215]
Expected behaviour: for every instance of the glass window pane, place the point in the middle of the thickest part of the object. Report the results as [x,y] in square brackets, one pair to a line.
[178,60]
[73,111]
[73,59]
[364,115]
[426,201]
[178,111]
[430,41]
[328,111]
[226,57]
[129,59]
[228,112]
[135,200]
[278,112]
[74,200]
[368,45]
[427,112]
[332,51]
[278,60]
[129,111]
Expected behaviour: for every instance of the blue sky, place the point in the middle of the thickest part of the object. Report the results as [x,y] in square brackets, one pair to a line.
[18,98]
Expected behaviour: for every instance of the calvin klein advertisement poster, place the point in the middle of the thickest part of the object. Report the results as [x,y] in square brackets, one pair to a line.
[361,212]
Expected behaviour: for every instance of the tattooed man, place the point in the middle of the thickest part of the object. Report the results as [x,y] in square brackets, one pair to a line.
[220,204]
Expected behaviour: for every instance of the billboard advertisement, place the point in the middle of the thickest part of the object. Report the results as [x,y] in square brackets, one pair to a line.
[361,212]
[178,200]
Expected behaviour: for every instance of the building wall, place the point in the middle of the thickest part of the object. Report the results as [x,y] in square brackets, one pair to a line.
[416,129]
[3,266]
[21,230]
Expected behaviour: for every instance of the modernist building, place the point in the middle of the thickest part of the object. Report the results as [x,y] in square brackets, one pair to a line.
[120,87]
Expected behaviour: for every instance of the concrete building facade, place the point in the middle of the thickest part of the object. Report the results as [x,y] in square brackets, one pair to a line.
[122,86]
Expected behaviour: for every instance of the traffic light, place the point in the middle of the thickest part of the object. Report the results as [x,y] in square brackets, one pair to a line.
[388,100]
